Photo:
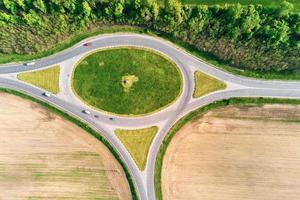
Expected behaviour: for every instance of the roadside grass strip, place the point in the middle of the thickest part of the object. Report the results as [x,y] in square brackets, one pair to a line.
[205,84]
[138,142]
[47,79]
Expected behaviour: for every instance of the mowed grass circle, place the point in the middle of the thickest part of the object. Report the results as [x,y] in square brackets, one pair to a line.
[127,81]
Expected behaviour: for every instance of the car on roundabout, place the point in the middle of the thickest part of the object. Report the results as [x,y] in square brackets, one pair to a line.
[112,119]
[88,44]
[87,112]
[29,64]
[46,94]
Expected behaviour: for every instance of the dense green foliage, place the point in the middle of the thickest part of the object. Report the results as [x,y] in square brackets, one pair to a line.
[196,114]
[85,127]
[250,37]
[267,3]
[154,82]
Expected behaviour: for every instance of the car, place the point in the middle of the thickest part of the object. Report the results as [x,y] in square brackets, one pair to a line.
[87,44]
[112,119]
[96,116]
[30,63]
[47,94]
[86,112]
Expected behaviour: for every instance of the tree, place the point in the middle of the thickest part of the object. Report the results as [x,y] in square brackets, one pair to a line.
[10,6]
[174,8]
[40,5]
[234,11]
[147,9]
[118,12]
[115,8]
[4,17]
[277,32]
[31,18]
[20,3]
[250,21]
[285,8]
[86,9]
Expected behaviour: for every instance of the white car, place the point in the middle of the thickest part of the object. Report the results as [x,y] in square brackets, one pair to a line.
[46,94]
[30,63]
[86,112]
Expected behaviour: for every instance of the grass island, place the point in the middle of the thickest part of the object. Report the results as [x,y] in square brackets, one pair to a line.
[127,81]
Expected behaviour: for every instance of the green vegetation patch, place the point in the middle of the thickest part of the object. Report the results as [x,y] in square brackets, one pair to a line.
[205,84]
[268,3]
[138,143]
[127,81]
[47,79]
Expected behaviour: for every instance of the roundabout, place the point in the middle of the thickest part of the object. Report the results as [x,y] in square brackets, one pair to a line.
[127,81]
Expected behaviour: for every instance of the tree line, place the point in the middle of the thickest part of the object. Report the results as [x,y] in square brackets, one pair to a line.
[249,37]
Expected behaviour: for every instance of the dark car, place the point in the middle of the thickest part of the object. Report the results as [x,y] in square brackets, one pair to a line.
[87,44]
[112,119]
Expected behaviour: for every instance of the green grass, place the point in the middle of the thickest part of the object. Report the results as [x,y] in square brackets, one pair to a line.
[97,80]
[138,143]
[268,3]
[196,114]
[47,79]
[205,84]
[85,127]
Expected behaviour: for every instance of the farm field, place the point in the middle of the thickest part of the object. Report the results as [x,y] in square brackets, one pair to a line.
[127,81]
[236,152]
[270,3]
[43,156]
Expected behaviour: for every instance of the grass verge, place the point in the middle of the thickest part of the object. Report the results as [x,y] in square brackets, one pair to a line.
[98,81]
[84,127]
[138,143]
[47,79]
[198,113]
[205,84]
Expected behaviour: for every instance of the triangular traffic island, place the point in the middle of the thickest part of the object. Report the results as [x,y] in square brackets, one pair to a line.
[137,142]
[205,84]
[47,79]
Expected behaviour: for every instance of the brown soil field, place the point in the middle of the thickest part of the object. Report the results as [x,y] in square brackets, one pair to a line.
[43,156]
[236,153]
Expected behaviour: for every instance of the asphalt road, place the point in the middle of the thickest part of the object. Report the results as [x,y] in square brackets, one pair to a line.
[144,181]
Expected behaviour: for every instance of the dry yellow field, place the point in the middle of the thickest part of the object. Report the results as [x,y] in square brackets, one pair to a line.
[43,156]
[236,153]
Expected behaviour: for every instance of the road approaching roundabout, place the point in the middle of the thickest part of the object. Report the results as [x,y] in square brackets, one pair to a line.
[136,88]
